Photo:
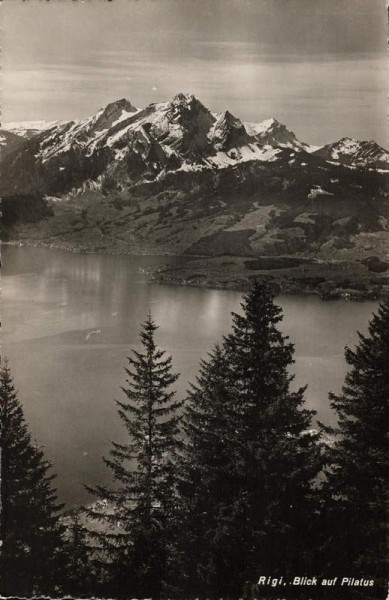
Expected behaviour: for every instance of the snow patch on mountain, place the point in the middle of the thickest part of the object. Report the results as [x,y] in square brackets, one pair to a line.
[311,148]
[125,115]
[246,153]
[318,191]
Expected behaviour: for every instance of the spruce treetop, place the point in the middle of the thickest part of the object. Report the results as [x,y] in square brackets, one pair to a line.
[356,486]
[250,458]
[260,357]
[362,407]
[30,529]
[140,508]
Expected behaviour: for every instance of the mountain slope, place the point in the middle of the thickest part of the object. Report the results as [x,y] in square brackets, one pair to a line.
[9,142]
[300,205]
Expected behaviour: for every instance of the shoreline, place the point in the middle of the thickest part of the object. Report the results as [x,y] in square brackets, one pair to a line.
[235,273]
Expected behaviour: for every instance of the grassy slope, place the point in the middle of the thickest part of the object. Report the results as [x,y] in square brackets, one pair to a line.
[252,211]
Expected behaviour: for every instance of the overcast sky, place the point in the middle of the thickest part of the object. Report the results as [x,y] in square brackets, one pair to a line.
[319,66]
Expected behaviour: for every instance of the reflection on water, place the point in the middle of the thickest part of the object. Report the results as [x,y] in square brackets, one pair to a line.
[70,321]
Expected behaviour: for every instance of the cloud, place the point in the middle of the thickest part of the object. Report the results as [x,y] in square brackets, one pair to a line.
[313,97]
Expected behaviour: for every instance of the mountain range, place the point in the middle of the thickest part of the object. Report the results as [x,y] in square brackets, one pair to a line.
[129,144]
[177,178]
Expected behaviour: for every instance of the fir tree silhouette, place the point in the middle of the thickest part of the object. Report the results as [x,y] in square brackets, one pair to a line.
[140,509]
[30,530]
[355,492]
[251,458]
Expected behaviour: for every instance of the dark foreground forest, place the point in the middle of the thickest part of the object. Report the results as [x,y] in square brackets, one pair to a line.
[232,492]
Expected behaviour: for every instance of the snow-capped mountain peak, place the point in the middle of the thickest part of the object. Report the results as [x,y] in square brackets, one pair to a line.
[228,132]
[114,113]
[272,132]
[184,101]
[181,134]
[262,127]
[351,152]
[184,107]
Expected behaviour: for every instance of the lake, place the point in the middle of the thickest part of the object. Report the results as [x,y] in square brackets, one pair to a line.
[70,320]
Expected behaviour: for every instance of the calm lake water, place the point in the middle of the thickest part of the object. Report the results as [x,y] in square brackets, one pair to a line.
[70,320]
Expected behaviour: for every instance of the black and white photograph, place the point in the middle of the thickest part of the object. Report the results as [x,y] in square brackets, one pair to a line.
[194,375]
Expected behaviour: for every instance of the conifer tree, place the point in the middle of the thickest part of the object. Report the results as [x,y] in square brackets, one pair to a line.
[140,509]
[208,483]
[30,531]
[80,577]
[356,507]
[250,444]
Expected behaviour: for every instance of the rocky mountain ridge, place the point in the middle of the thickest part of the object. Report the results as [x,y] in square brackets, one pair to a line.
[130,144]
[356,153]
